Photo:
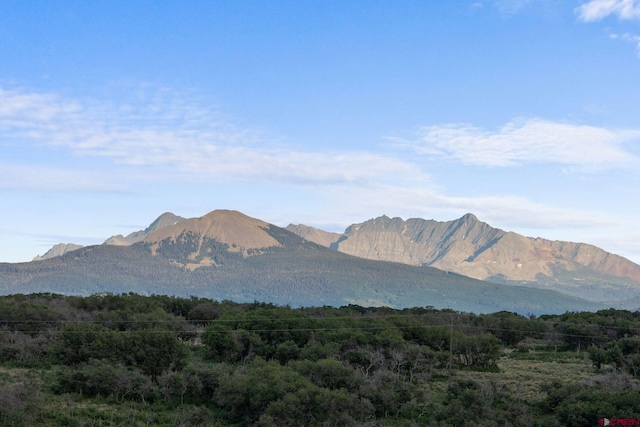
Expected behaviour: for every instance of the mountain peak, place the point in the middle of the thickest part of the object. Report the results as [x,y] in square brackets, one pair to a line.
[469,217]
[164,220]
[239,231]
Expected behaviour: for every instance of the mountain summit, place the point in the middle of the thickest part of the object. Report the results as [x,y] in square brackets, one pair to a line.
[233,228]
[189,241]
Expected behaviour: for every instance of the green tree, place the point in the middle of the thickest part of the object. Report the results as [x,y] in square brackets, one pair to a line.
[316,406]
[154,351]
[247,392]
[79,342]
[329,373]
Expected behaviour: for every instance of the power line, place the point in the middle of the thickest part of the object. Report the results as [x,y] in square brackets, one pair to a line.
[232,331]
[266,320]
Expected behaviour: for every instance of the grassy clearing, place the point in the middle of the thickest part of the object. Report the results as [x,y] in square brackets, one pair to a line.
[524,375]
[523,378]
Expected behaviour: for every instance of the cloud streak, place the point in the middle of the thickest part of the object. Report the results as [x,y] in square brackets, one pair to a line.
[508,211]
[511,7]
[26,177]
[167,138]
[531,141]
[597,10]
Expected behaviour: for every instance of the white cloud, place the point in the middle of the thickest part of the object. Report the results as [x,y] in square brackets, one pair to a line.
[528,141]
[630,38]
[165,137]
[350,204]
[596,10]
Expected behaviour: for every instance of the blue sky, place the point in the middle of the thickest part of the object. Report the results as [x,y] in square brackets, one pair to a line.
[327,113]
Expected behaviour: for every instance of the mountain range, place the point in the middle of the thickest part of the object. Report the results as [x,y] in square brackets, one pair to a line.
[383,261]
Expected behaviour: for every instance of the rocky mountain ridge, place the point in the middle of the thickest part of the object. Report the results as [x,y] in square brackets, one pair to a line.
[475,249]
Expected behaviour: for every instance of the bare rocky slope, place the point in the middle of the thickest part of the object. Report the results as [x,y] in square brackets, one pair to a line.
[238,232]
[321,237]
[473,248]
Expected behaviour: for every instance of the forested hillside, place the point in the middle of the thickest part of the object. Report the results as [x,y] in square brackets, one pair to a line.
[128,360]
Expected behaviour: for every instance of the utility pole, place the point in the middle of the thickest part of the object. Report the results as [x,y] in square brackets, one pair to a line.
[450,344]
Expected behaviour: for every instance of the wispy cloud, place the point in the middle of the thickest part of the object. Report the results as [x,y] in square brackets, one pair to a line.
[630,38]
[596,10]
[511,7]
[529,141]
[511,213]
[27,177]
[165,137]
